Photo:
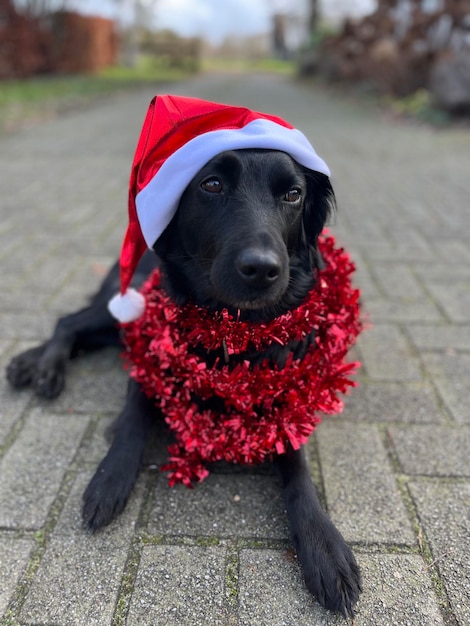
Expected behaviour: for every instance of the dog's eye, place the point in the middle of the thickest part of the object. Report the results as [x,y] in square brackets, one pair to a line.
[293,195]
[212,185]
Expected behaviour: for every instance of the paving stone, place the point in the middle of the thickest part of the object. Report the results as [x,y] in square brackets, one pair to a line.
[84,282]
[179,585]
[453,298]
[121,530]
[397,281]
[363,279]
[22,325]
[391,252]
[437,451]
[397,591]
[439,337]
[443,509]
[387,355]
[14,556]
[90,391]
[95,448]
[394,402]
[439,273]
[451,375]
[361,493]
[12,407]
[454,251]
[236,505]
[382,311]
[32,469]
[77,582]
[272,591]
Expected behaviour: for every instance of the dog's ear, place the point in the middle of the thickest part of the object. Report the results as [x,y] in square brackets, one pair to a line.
[319,207]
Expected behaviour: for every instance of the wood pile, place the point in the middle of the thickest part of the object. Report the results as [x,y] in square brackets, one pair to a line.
[406,45]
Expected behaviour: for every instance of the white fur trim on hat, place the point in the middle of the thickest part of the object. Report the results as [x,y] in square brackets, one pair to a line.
[128,307]
[157,202]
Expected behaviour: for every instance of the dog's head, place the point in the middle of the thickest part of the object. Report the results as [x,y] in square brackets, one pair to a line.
[245,234]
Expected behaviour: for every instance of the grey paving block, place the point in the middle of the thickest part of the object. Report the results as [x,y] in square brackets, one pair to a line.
[397,592]
[120,531]
[383,311]
[179,585]
[398,282]
[73,294]
[362,497]
[89,391]
[387,355]
[440,337]
[363,278]
[443,508]
[453,298]
[20,324]
[404,252]
[12,406]
[33,468]
[233,505]
[394,402]
[97,446]
[272,591]
[439,273]
[437,451]
[14,555]
[77,582]
[451,375]
[452,251]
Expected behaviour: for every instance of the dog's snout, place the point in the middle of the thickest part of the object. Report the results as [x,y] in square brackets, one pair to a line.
[258,268]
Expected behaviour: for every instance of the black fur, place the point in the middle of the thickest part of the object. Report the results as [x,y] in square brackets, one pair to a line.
[244,237]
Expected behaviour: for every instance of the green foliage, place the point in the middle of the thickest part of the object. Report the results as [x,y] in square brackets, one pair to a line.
[23,102]
[268,64]
[417,105]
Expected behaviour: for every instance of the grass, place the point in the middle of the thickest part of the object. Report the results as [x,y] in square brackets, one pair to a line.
[270,65]
[25,102]
[417,106]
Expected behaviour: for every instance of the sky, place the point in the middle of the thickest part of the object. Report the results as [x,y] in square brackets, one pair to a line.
[215,19]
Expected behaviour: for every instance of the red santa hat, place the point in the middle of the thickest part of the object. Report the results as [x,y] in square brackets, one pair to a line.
[179,136]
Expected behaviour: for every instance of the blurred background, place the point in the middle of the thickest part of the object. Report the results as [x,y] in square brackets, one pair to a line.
[55,53]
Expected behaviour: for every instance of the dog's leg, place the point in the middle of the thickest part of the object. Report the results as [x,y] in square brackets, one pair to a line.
[43,367]
[108,491]
[330,569]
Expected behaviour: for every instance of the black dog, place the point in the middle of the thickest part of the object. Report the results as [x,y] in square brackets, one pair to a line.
[244,238]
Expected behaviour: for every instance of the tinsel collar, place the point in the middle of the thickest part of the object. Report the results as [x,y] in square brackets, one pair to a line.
[231,410]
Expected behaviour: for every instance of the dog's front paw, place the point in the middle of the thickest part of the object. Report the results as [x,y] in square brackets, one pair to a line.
[49,381]
[21,369]
[330,569]
[106,495]
[33,367]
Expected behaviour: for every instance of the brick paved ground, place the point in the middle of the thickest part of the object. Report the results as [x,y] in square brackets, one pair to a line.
[393,470]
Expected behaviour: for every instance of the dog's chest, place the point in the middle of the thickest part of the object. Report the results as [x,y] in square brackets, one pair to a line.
[240,392]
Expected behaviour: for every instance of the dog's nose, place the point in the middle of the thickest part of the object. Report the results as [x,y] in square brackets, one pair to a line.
[258,268]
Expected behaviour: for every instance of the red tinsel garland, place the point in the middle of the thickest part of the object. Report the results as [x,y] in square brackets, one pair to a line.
[265,408]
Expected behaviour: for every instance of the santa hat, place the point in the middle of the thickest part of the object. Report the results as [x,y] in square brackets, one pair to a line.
[179,136]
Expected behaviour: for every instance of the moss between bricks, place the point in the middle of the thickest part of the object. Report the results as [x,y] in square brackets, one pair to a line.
[127,585]
[231,578]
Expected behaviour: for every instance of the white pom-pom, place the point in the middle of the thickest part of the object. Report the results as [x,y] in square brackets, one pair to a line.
[128,307]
